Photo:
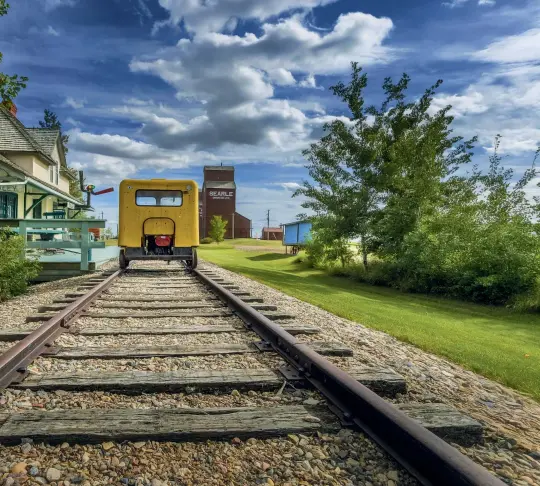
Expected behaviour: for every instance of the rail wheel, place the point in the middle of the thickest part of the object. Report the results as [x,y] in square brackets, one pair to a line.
[192,264]
[195,259]
[123,261]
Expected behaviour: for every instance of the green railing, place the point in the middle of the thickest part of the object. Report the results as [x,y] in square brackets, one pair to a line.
[51,226]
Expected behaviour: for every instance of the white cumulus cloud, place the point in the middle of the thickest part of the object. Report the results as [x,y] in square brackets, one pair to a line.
[214,16]
[524,47]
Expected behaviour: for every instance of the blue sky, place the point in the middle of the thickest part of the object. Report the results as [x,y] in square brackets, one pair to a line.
[159,88]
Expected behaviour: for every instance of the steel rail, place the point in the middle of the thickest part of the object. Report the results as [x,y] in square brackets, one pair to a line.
[427,457]
[14,361]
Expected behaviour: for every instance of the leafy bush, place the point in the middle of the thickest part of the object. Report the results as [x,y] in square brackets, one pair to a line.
[15,270]
[218,227]
[315,255]
[206,241]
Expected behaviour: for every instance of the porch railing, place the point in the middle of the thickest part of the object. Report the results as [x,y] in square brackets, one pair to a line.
[85,243]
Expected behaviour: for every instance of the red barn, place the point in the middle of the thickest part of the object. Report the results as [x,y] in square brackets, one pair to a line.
[272,234]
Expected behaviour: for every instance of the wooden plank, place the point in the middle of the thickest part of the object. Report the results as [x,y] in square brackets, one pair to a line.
[331,348]
[118,331]
[157,298]
[107,352]
[159,280]
[265,307]
[63,244]
[277,316]
[380,379]
[135,271]
[383,381]
[161,287]
[51,307]
[157,315]
[194,329]
[139,315]
[158,305]
[445,421]
[9,335]
[274,316]
[167,381]
[182,424]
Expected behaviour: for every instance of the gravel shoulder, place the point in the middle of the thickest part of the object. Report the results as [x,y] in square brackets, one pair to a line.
[512,419]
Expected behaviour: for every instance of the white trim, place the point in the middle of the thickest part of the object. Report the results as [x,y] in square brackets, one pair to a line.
[53,192]
[23,183]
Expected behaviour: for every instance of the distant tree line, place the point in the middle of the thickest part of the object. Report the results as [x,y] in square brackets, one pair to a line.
[395,178]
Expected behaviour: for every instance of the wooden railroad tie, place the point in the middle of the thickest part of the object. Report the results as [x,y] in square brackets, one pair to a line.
[156,298]
[274,316]
[139,315]
[140,305]
[182,424]
[107,352]
[192,424]
[8,335]
[383,381]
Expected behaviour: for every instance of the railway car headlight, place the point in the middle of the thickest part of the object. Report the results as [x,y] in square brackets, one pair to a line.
[189,187]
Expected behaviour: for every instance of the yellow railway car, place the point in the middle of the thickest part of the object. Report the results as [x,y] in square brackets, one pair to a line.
[159,220]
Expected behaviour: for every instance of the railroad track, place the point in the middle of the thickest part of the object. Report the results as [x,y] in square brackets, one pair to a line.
[238,344]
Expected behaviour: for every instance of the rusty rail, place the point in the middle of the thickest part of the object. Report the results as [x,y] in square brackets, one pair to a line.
[427,457]
[14,361]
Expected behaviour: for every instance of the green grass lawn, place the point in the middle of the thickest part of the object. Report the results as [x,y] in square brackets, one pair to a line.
[495,342]
[233,243]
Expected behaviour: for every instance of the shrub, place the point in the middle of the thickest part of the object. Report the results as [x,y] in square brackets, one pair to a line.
[206,241]
[218,227]
[15,270]
[315,252]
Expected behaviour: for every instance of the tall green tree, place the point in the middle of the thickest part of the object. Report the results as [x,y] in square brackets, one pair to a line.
[378,171]
[50,120]
[10,85]
[218,227]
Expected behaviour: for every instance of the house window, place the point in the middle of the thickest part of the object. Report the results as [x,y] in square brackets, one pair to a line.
[8,205]
[51,173]
[56,176]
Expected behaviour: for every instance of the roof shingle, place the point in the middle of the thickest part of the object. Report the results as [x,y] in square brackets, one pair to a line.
[15,137]
[45,137]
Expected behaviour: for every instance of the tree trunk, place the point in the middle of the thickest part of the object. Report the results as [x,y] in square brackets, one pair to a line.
[364,252]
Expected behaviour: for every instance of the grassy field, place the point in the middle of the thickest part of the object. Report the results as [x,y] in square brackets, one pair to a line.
[495,342]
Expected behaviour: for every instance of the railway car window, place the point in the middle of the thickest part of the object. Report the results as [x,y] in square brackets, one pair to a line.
[148,197]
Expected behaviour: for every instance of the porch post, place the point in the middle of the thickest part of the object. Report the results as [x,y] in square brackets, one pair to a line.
[22,233]
[85,250]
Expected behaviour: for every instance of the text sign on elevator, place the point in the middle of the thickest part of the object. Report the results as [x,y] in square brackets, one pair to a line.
[221,194]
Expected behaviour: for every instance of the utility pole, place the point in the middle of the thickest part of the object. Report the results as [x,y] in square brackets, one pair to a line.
[267,224]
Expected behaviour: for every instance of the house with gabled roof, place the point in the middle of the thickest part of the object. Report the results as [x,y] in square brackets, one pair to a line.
[34,176]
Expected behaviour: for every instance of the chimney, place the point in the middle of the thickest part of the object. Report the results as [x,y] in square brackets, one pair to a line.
[12,107]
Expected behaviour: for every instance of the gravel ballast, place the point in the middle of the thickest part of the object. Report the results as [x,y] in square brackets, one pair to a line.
[512,420]
[512,448]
